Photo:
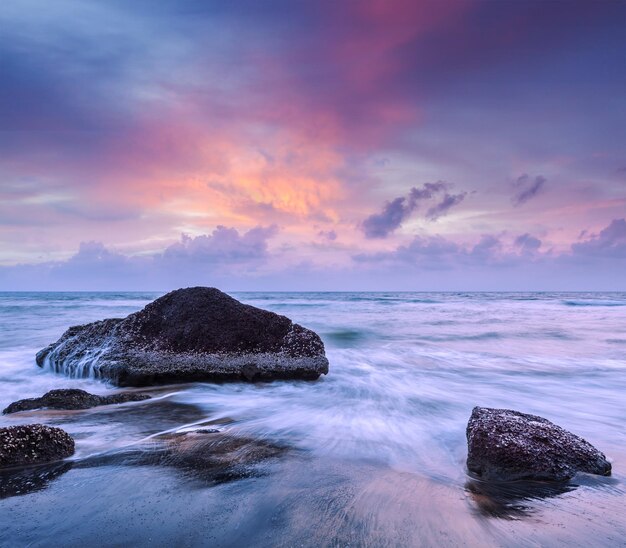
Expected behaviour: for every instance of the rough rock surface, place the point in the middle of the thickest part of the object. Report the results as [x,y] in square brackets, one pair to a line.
[33,444]
[71,398]
[505,445]
[193,334]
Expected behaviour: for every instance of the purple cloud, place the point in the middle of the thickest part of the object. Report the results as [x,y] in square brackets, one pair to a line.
[609,243]
[215,258]
[222,245]
[238,260]
[433,252]
[442,208]
[426,192]
[527,188]
[380,225]
[527,243]
[394,213]
[439,253]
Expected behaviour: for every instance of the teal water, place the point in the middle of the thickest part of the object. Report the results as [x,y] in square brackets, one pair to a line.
[377,447]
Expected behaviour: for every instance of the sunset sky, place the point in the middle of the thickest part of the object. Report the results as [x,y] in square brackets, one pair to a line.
[375,144]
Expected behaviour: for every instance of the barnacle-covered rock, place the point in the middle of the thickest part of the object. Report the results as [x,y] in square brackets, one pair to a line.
[505,445]
[193,334]
[33,444]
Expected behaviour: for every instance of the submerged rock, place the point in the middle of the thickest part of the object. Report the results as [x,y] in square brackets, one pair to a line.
[33,444]
[505,445]
[205,454]
[193,334]
[212,451]
[71,398]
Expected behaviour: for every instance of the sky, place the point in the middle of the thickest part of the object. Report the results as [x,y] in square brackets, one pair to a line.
[449,145]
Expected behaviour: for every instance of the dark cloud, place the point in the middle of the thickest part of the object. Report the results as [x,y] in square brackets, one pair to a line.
[442,208]
[527,188]
[394,213]
[380,225]
[426,191]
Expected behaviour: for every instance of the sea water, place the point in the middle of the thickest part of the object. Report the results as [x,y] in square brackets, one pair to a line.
[377,447]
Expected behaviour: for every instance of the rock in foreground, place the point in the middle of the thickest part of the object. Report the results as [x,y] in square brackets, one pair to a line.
[33,444]
[69,399]
[505,445]
[193,334]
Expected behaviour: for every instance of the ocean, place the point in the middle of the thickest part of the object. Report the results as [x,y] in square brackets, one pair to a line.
[375,451]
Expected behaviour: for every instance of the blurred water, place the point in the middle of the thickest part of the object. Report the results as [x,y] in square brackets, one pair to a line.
[382,437]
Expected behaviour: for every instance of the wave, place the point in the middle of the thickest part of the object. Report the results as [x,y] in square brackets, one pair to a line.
[477,337]
[594,303]
[346,337]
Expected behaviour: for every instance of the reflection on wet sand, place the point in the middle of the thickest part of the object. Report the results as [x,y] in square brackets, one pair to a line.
[24,480]
[512,500]
[225,489]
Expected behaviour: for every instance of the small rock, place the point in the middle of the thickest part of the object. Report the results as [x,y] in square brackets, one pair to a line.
[71,398]
[505,445]
[33,444]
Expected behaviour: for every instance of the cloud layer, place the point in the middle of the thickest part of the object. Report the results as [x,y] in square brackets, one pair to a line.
[236,260]
[129,123]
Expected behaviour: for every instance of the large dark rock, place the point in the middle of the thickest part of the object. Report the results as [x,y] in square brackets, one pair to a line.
[194,334]
[71,398]
[33,444]
[505,445]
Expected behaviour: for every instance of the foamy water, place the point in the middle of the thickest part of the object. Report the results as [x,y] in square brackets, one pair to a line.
[377,446]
